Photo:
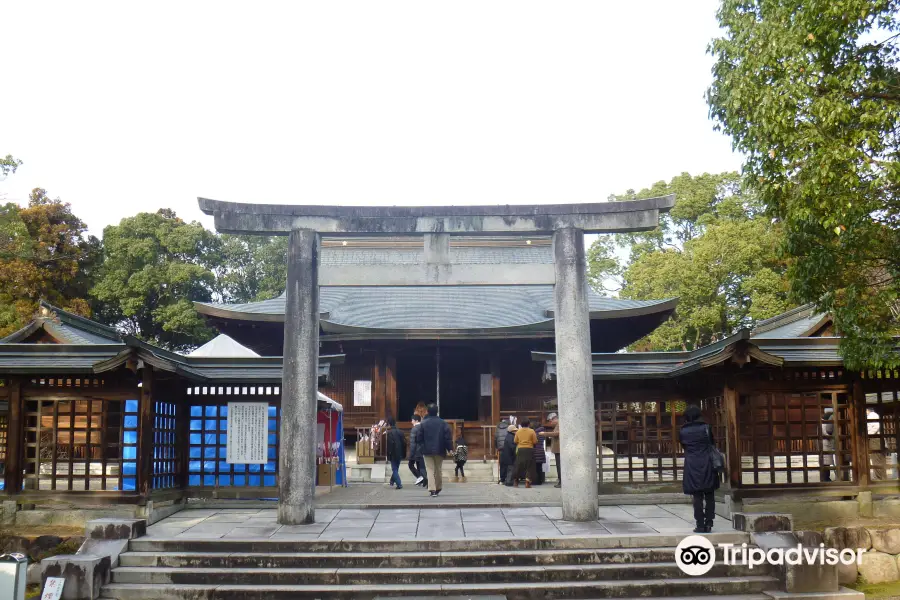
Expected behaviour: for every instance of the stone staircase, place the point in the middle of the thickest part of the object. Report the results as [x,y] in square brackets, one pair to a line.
[512,568]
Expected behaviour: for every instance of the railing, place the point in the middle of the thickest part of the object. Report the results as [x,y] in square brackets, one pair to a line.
[487,440]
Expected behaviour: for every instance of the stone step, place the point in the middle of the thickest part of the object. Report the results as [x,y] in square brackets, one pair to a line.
[229,560]
[270,546]
[687,587]
[430,575]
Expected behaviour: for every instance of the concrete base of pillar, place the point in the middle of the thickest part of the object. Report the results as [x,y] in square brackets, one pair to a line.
[296,514]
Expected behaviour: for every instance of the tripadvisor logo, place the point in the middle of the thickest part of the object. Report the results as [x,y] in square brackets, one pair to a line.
[695,555]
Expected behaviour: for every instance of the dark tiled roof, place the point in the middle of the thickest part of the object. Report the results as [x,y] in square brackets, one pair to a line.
[66,327]
[54,358]
[20,359]
[821,351]
[798,322]
[436,307]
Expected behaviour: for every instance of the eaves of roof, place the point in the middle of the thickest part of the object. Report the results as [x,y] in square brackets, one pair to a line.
[795,352]
[21,359]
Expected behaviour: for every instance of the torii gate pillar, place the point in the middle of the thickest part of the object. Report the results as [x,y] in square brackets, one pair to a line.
[299,384]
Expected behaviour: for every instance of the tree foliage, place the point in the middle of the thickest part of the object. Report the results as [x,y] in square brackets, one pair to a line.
[254,267]
[44,254]
[9,164]
[155,266]
[809,92]
[714,251]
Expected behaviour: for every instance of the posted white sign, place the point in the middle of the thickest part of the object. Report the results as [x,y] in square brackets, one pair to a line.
[486,384]
[248,433]
[53,588]
[362,393]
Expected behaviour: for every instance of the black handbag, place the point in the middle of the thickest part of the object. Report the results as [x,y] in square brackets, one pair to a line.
[718,459]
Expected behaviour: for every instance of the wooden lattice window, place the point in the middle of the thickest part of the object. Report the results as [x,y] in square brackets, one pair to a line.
[80,444]
[795,438]
[882,419]
[165,446]
[208,438]
[638,441]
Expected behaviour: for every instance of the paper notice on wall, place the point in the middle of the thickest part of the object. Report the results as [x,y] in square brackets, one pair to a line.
[486,384]
[362,393]
[248,439]
[53,588]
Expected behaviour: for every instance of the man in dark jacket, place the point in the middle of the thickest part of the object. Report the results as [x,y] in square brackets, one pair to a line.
[700,477]
[416,459]
[540,454]
[396,451]
[435,440]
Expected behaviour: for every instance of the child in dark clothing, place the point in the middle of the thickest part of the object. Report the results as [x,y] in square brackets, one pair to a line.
[461,456]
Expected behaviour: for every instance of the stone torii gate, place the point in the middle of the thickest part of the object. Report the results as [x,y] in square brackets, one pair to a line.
[567,223]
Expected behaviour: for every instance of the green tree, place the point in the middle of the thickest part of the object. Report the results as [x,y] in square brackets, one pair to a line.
[44,254]
[254,268]
[9,164]
[715,251]
[809,92]
[156,265]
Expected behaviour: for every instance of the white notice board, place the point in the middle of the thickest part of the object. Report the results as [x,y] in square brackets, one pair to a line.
[248,439]
[53,588]
[362,393]
[486,384]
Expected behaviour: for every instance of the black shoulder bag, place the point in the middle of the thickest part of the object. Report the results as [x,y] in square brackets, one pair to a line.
[718,459]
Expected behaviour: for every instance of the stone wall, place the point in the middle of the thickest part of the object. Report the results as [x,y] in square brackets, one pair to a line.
[881,561]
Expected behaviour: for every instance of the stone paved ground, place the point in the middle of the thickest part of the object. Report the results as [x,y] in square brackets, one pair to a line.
[378,494]
[428,523]
[475,495]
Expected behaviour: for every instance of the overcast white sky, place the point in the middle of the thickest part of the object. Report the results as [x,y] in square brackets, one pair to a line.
[122,107]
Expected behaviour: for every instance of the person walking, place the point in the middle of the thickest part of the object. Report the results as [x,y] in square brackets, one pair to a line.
[700,477]
[526,440]
[508,456]
[499,441]
[552,434]
[461,455]
[396,451]
[416,458]
[540,455]
[433,436]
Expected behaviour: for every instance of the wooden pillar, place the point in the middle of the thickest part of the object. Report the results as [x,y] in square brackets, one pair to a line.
[495,390]
[390,386]
[859,435]
[183,432]
[15,438]
[378,389]
[145,434]
[732,436]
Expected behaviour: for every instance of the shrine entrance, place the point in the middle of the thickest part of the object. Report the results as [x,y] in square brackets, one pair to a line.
[440,375]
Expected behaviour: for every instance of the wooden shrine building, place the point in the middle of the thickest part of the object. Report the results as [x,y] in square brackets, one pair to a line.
[89,415]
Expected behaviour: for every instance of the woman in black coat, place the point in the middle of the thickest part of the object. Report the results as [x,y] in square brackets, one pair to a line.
[508,456]
[700,478]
